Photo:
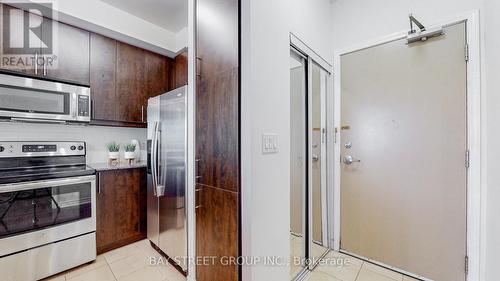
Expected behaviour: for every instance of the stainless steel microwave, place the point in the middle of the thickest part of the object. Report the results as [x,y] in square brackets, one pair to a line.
[27,99]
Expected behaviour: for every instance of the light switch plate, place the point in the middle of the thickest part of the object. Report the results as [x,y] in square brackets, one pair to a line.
[269,143]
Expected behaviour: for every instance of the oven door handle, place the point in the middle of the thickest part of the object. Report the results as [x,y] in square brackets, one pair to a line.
[44,184]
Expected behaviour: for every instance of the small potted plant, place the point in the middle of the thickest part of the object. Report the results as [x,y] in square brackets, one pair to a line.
[113,151]
[130,152]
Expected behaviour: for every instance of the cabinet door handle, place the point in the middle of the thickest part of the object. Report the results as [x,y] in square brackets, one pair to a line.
[92,108]
[196,191]
[35,65]
[99,183]
[198,67]
[142,113]
[197,176]
[44,67]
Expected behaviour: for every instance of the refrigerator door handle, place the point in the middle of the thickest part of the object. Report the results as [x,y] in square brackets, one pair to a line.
[154,153]
[160,187]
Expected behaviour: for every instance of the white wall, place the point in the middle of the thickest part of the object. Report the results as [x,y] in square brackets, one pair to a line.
[310,21]
[359,21]
[491,126]
[265,100]
[96,137]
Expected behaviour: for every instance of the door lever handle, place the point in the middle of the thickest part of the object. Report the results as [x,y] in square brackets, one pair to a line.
[348,160]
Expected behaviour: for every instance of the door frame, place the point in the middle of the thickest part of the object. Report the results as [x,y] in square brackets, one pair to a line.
[305,183]
[311,57]
[323,160]
[191,141]
[474,207]
[328,118]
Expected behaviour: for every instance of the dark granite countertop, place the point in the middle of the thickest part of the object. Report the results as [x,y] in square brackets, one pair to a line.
[122,165]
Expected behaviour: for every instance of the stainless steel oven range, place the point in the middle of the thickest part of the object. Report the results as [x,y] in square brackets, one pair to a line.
[47,209]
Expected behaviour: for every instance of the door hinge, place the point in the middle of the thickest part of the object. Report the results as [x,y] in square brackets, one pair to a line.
[466,52]
[323,135]
[467,158]
[466,265]
[335,135]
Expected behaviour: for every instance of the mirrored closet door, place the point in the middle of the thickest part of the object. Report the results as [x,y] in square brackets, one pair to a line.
[308,189]
[317,187]
[298,162]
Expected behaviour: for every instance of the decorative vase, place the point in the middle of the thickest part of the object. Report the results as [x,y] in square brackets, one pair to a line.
[113,158]
[129,155]
[137,151]
[113,155]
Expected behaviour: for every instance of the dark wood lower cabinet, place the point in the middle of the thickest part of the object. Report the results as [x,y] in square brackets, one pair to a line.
[217,232]
[121,208]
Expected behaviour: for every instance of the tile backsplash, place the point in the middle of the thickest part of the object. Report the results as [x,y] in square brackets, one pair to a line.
[96,137]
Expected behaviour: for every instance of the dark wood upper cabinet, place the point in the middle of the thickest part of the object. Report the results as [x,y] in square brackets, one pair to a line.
[71,48]
[121,208]
[68,59]
[131,88]
[180,70]
[217,46]
[102,77]
[10,62]
[121,77]
[158,72]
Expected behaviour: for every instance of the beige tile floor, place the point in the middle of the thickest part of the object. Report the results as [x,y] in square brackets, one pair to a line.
[352,269]
[129,263]
[296,252]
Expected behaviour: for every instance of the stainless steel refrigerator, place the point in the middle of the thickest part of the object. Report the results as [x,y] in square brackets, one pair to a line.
[167,154]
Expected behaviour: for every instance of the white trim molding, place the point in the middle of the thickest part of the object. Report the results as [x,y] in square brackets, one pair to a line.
[301,46]
[474,220]
[191,138]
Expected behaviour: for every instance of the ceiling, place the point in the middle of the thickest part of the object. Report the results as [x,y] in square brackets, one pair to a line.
[168,14]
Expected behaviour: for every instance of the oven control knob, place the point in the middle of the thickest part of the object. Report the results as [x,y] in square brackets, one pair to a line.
[72,147]
[80,147]
[2,148]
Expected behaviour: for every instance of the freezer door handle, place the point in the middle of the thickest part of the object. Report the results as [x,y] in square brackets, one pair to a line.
[154,158]
[160,186]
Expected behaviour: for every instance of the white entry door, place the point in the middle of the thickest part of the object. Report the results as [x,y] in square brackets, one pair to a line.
[404,118]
